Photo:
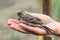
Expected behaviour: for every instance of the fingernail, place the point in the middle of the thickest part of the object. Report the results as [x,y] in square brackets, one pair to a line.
[8,22]
[12,26]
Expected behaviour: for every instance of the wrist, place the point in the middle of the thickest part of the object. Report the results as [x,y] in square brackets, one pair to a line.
[54,26]
[58,28]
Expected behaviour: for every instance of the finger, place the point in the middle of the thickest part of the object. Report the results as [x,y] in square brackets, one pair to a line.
[17,27]
[34,29]
[12,20]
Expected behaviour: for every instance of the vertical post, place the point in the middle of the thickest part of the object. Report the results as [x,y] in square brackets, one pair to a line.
[47,10]
[47,7]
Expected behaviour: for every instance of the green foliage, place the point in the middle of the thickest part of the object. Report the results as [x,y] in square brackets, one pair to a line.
[56,9]
[15,35]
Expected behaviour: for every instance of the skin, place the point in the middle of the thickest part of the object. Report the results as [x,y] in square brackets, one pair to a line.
[49,22]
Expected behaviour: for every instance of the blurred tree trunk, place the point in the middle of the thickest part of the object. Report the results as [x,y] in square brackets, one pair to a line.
[47,7]
[47,10]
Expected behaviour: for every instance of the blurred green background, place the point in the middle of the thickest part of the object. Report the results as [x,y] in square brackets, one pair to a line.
[8,9]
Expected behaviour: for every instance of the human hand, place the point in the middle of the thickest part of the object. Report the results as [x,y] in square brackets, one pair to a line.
[16,25]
